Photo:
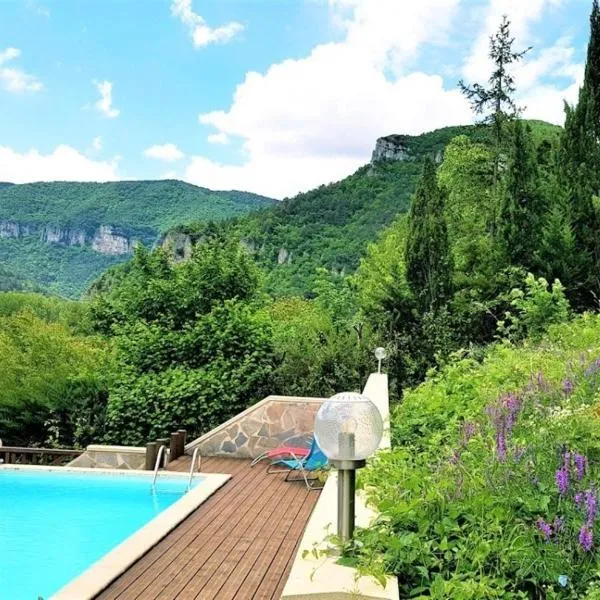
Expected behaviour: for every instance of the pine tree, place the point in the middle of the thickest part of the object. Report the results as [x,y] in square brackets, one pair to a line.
[497,98]
[428,258]
[522,208]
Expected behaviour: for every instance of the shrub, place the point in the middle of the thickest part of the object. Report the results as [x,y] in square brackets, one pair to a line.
[490,489]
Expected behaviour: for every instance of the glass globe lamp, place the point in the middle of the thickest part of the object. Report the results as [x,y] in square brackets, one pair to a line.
[348,428]
[380,354]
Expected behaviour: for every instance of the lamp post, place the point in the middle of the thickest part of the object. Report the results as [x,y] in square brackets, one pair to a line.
[380,354]
[348,428]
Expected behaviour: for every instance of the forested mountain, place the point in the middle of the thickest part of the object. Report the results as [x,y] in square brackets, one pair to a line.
[331,226]
[62,235]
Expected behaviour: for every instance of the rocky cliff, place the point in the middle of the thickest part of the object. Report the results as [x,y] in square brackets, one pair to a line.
[103,239]
[391,147]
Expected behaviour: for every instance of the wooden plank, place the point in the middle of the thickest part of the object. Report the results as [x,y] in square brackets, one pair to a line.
[239,544]
[213,556]
[136,572]
[277,573]
[211,526]
[182,536]
[245,577]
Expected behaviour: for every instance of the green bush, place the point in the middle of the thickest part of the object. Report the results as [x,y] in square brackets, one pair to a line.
[52,381]
[192,349]
[484,494]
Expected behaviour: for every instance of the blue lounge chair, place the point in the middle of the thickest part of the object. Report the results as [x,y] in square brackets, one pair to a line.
[314,461]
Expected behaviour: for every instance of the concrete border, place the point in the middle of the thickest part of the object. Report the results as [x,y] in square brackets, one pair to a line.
[323,578]
[104,571]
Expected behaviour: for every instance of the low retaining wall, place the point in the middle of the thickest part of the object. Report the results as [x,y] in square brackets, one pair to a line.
[323,578]
[97,456]
[272,422]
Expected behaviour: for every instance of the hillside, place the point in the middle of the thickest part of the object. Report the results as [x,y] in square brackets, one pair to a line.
[62,235]
[332,225]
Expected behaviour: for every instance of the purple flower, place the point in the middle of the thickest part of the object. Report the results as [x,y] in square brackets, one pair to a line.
[562,481]
[580,466]
[558,524]
[542,384]
[586,538]
[567,387]
[544,528]
[567,461]
[579,499]
[501,445]
[469,429]
[591,506]
[593,368]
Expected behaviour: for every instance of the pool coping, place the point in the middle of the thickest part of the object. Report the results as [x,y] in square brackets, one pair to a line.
[106,569]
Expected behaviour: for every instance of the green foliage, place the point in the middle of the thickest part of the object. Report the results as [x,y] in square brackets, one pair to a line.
[61,270]
[465,176]
[331,226]
[191,348]
[141,210]
[473,474]
[522,210]
[579,171]
[536,308]
[428,258]
[52,379]
[316,354]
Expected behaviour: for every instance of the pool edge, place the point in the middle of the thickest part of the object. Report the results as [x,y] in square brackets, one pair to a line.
[104,571]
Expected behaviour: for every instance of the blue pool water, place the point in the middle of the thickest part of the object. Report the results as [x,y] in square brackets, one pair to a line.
[54,525]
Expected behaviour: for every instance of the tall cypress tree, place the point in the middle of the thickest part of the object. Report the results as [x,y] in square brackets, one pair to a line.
[428,258]
[522,208]
[579,170]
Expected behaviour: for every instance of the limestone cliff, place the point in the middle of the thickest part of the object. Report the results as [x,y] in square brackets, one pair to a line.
[391,147]
[103,239]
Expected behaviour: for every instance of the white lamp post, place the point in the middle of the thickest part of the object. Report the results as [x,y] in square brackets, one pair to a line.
[348,428]
[380,354]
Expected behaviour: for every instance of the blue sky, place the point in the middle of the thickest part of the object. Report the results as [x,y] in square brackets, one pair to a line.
[271,96]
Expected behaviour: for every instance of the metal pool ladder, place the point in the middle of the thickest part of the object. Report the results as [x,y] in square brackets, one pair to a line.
[159,458]
[195,455]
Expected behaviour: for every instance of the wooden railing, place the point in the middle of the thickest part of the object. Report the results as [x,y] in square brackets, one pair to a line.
[13,455]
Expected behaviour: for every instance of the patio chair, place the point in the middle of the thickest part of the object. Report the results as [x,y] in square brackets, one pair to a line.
[282,452]
[313,462]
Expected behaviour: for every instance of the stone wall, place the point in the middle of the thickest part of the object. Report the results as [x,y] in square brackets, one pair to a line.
[111,457]
[275,421]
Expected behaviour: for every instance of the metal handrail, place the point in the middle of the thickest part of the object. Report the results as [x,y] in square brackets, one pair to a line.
[192,466]
[159,457]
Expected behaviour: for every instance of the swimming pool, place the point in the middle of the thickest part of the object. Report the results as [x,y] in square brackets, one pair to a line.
[54,524]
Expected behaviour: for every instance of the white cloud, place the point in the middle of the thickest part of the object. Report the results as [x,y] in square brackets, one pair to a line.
[535,91]
[63,164]
[203,35]
[218,138]
[16,80]
[166,152]
[105,103]
[315,120]
[521,15]
[97,143]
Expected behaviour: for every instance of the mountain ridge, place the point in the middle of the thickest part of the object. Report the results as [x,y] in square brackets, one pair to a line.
[62,235]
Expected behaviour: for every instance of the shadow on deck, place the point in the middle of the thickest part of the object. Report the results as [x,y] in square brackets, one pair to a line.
[239,544]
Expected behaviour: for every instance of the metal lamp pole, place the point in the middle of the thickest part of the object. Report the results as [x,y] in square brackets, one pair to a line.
[346,486]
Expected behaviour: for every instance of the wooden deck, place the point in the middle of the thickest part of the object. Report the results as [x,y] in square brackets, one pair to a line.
[239,544]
